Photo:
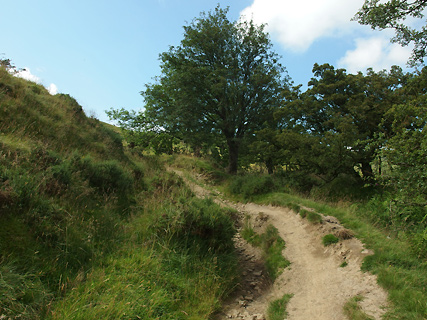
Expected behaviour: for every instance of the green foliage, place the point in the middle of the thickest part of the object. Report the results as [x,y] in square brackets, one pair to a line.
[22,294]
[273,245]
[295,207]
[277,308]
[392,15]
[219,85]
[206,167]
[303,213]
[166,271]
[329,239]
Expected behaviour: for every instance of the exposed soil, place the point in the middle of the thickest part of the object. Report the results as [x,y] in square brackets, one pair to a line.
[315,277]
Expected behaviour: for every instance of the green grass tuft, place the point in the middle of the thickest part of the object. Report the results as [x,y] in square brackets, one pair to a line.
[353,311]
[314,217]
[277,308]
[329,239]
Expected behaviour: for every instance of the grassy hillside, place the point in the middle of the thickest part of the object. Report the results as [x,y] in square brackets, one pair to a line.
[89,230]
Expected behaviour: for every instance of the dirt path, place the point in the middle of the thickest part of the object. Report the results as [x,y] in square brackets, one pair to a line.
[319,285]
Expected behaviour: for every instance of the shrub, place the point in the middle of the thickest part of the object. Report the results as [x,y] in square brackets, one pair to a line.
[329,239]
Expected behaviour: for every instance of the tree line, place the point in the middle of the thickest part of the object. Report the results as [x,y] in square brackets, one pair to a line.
[223,92]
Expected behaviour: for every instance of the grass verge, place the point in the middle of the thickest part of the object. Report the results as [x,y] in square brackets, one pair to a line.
[277,308]
[272,246]
[401,272]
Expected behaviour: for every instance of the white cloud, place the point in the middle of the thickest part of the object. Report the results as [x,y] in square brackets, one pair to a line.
[375,52]
[27,75]
[297,24]
[52,88]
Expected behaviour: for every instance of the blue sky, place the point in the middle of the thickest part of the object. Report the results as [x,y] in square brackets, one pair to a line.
[104,52]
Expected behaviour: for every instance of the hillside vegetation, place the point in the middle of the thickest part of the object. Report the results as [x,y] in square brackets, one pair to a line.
[398,259]
[89,230]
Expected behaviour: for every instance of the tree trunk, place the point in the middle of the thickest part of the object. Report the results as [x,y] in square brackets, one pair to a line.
[270,166]
[233,156]
[367,170]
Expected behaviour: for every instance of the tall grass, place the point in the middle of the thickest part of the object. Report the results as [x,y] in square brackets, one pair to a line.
[92,231]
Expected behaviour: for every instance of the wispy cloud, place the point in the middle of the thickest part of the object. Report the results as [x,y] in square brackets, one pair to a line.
[297,24]
[375,52]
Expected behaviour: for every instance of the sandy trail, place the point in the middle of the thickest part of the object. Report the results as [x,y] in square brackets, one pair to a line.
[319,285]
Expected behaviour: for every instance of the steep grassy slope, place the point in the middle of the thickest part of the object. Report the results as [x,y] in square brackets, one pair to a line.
[90,231]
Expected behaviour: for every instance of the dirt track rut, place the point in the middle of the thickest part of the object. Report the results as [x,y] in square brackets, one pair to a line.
[319,284]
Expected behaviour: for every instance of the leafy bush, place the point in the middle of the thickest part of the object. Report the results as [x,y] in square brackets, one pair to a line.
[329,239]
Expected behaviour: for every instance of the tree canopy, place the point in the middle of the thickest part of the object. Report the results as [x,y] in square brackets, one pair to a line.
[393,14]
[223,81]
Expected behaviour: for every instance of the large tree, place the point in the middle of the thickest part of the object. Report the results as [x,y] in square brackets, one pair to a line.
[392,14]
[222,83]
[333,126]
